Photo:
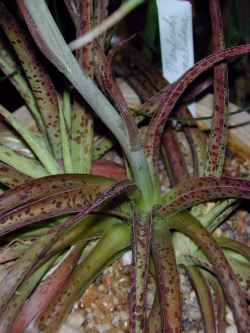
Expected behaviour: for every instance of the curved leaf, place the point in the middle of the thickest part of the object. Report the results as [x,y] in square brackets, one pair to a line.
[204,297]
[28,166]
[234,246]
[10,177]
[112,243]
[45,186]
[46,291]
[192,228]
[159,120]
[8,65]
[8,316]
[220,304]
[196,190]
[32,140]
[63,202]
[52,44]
[196,142]
[22,267]
[41,85]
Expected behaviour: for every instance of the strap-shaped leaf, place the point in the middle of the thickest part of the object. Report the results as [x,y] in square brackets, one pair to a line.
[73,7]
[153,324]
[45,157]
[100,14]
[46,291]
[67,162]
[42,86]
[167,279]
[112,243]
[191,227]
[219,303]
[38,188]
[8,316]
[85,54]
[108,168]
[218,134]
[139,276]
[29,166]
[52,44]
[159,120]
[219,213]
[63,202]
[234,246]
[23,265]
[10,177]
[119,239]
[204,296]
[198,190]
[81,138]
[8,65]
[114,91]
[101,146]
[173,157]
[197,144]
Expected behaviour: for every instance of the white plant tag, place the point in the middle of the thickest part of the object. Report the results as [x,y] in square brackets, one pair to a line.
[176,36]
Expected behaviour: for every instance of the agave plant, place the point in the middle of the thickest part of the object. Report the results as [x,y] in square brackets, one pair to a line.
[55,205]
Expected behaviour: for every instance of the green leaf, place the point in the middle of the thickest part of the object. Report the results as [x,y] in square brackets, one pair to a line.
[204,296]
[81,138]
[47,289]
[111,244]
[18,299]
[67,162]
[191,227]
[41,85]
[52,44]
[27,166]
[42,154]
[8,65]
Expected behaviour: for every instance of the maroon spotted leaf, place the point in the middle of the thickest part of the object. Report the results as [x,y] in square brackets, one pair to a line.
[114,241]
[159,120]
[17,273]
[140,249]
[153,324]
[191,227]
[204,296]
[167,279]
[85,54]
[175,162]
[43,187]
[10,177]
[218,134]
[201,189]
[62,202]
[107,80]
[40,82]
[197,143]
